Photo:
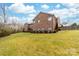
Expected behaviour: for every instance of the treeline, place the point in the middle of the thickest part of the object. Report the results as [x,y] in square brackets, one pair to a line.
[7,29]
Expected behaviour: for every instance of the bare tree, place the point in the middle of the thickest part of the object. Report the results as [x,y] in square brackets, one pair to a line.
[3,8]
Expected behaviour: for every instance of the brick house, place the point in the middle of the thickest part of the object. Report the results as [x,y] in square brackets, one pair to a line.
[43,22]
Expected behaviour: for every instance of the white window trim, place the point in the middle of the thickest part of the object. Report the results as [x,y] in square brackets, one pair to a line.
[50,18]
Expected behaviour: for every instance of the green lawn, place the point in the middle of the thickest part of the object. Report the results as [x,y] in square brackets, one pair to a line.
[55,44]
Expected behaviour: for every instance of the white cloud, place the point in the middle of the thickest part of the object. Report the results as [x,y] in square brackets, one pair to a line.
[21,8]
[31,17]
[58,6]
[15,19]
[45,6]
[39,1]
[12,19]
[71,5]
[65,14]
[60,12]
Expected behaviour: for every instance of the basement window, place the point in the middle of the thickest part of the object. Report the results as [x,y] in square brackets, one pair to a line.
[38,29]
[49,28]
[50,18]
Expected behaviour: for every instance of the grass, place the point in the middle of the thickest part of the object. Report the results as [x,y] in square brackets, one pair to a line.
[63,43]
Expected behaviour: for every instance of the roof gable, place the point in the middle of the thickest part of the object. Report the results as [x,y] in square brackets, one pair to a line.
[44,14]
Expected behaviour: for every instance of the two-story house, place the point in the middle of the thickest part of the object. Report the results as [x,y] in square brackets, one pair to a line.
[43,22]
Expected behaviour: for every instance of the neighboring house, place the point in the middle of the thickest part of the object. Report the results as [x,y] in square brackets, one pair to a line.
[73,26]
[70,27]
[43,22]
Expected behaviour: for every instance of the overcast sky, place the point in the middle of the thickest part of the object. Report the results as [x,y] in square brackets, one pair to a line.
[67,12]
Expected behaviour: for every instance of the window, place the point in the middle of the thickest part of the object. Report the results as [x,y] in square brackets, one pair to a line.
[38,21]
[50,18]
